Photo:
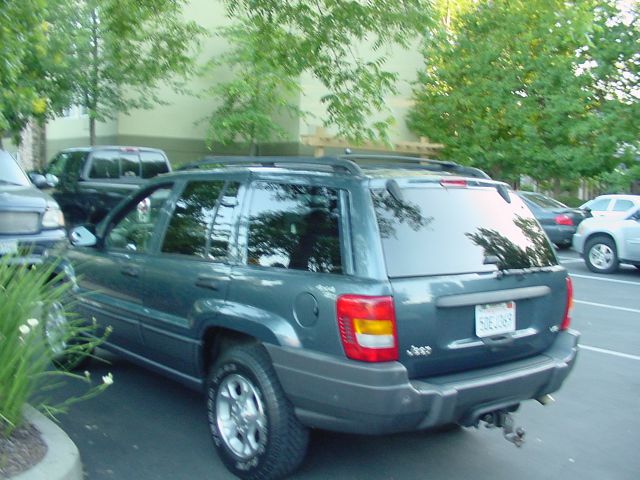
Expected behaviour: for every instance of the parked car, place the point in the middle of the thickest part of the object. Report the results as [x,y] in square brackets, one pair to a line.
[606,242]
[31,222]
[614,206]
[92,180]
[558,221]
[306,293]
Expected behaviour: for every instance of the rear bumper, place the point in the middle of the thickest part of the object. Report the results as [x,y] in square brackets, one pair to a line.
[347,396]
[560,234]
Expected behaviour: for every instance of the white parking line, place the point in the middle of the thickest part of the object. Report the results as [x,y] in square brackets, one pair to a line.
[613,280]
[570,260]
[603,305]
[610,352]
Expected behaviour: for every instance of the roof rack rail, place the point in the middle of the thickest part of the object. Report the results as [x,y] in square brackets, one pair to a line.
[419,163]
[336,163]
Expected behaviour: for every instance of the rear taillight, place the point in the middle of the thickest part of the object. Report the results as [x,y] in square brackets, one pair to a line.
[368,328]
[566,320]
[564,220]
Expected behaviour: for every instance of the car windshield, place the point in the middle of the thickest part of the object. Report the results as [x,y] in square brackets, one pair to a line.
[10,171]
[542,200]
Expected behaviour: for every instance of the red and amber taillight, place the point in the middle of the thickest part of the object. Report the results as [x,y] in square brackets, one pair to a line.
[566,320]
[368,327]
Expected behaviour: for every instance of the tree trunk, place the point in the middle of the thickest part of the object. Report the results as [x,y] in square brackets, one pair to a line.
[92,131]
[40,144]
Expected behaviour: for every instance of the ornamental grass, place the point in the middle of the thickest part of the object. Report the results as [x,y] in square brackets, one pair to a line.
[28,342]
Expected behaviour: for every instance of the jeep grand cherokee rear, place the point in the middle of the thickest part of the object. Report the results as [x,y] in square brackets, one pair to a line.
[302,292]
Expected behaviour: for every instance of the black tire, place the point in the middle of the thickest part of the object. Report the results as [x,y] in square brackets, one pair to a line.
[601,255]
[263,440]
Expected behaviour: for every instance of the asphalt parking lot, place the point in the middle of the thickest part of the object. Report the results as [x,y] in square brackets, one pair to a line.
[146,427]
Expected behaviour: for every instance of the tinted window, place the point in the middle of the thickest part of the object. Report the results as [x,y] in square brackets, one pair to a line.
[187,231]
[134,231]
[105,165]
[153,163]
[222,226]
[129,164]
[542,201]
[622,205]
[436,231]
[294,226]
[67,164]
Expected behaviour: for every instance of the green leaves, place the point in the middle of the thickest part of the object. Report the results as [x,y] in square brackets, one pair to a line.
[343,44]
[508,88]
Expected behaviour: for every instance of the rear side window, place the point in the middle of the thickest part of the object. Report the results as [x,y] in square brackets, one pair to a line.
[153,163]
[440,231]
[192,230]
[294,227]
[105,165]
[622,205]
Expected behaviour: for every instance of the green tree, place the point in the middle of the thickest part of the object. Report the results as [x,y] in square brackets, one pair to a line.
[259,90]
[126,49]
[324,38]
[23,42]
[510,90]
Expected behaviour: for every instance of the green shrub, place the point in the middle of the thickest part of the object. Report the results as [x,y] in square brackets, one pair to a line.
[27,341]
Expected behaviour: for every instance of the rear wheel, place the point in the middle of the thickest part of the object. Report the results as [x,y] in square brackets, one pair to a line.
[601,255]
[253,425]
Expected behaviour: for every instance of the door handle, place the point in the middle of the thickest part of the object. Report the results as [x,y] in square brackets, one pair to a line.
[130,271]
[207,281]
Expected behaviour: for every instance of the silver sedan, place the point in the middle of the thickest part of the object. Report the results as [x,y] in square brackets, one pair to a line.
[604,242]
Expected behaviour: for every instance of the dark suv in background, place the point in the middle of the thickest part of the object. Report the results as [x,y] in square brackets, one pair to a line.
[382,296]
[31,223]
[92,180]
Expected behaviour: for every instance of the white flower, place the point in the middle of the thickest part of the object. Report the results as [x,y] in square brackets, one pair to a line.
[24,329]
[107,379]
[33,322]
[87,374]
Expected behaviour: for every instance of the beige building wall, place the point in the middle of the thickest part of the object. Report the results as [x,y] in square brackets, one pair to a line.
[179,127]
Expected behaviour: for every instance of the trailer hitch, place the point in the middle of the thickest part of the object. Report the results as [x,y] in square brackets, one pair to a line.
[503,419]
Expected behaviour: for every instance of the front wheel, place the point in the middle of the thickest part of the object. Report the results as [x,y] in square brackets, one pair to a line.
[601,255]
[253,425]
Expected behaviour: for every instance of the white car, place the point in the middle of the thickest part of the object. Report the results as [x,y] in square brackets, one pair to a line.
[605,242]
[614,206]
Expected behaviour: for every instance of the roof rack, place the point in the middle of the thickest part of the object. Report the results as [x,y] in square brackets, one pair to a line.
[335,163]
[418,163]
[342,163]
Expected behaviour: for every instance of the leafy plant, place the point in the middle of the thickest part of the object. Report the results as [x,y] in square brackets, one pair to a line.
[259,91]
[29,343]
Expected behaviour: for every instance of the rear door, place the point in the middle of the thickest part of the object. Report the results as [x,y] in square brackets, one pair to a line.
[474,277]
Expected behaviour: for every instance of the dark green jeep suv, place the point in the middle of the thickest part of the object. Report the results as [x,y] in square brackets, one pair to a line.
[358,294]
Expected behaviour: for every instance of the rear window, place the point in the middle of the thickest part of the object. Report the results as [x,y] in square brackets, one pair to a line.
[153,163]
[440,231]
[543,201]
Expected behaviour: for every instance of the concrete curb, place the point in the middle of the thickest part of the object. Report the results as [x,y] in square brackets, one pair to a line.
[62,460]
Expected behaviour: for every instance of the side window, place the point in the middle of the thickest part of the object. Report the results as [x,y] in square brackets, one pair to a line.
[58,164]
[295,227]
[622,205]
[133,231]
[153,163]
[599,205]
[222,226]
[129,165]
[190,223]
[105,165]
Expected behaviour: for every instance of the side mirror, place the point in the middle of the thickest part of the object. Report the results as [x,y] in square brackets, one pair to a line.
[82,237]
[40,181]
[52,180]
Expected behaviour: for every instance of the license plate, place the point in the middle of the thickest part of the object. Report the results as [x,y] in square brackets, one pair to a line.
[495,319]
[8,247]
